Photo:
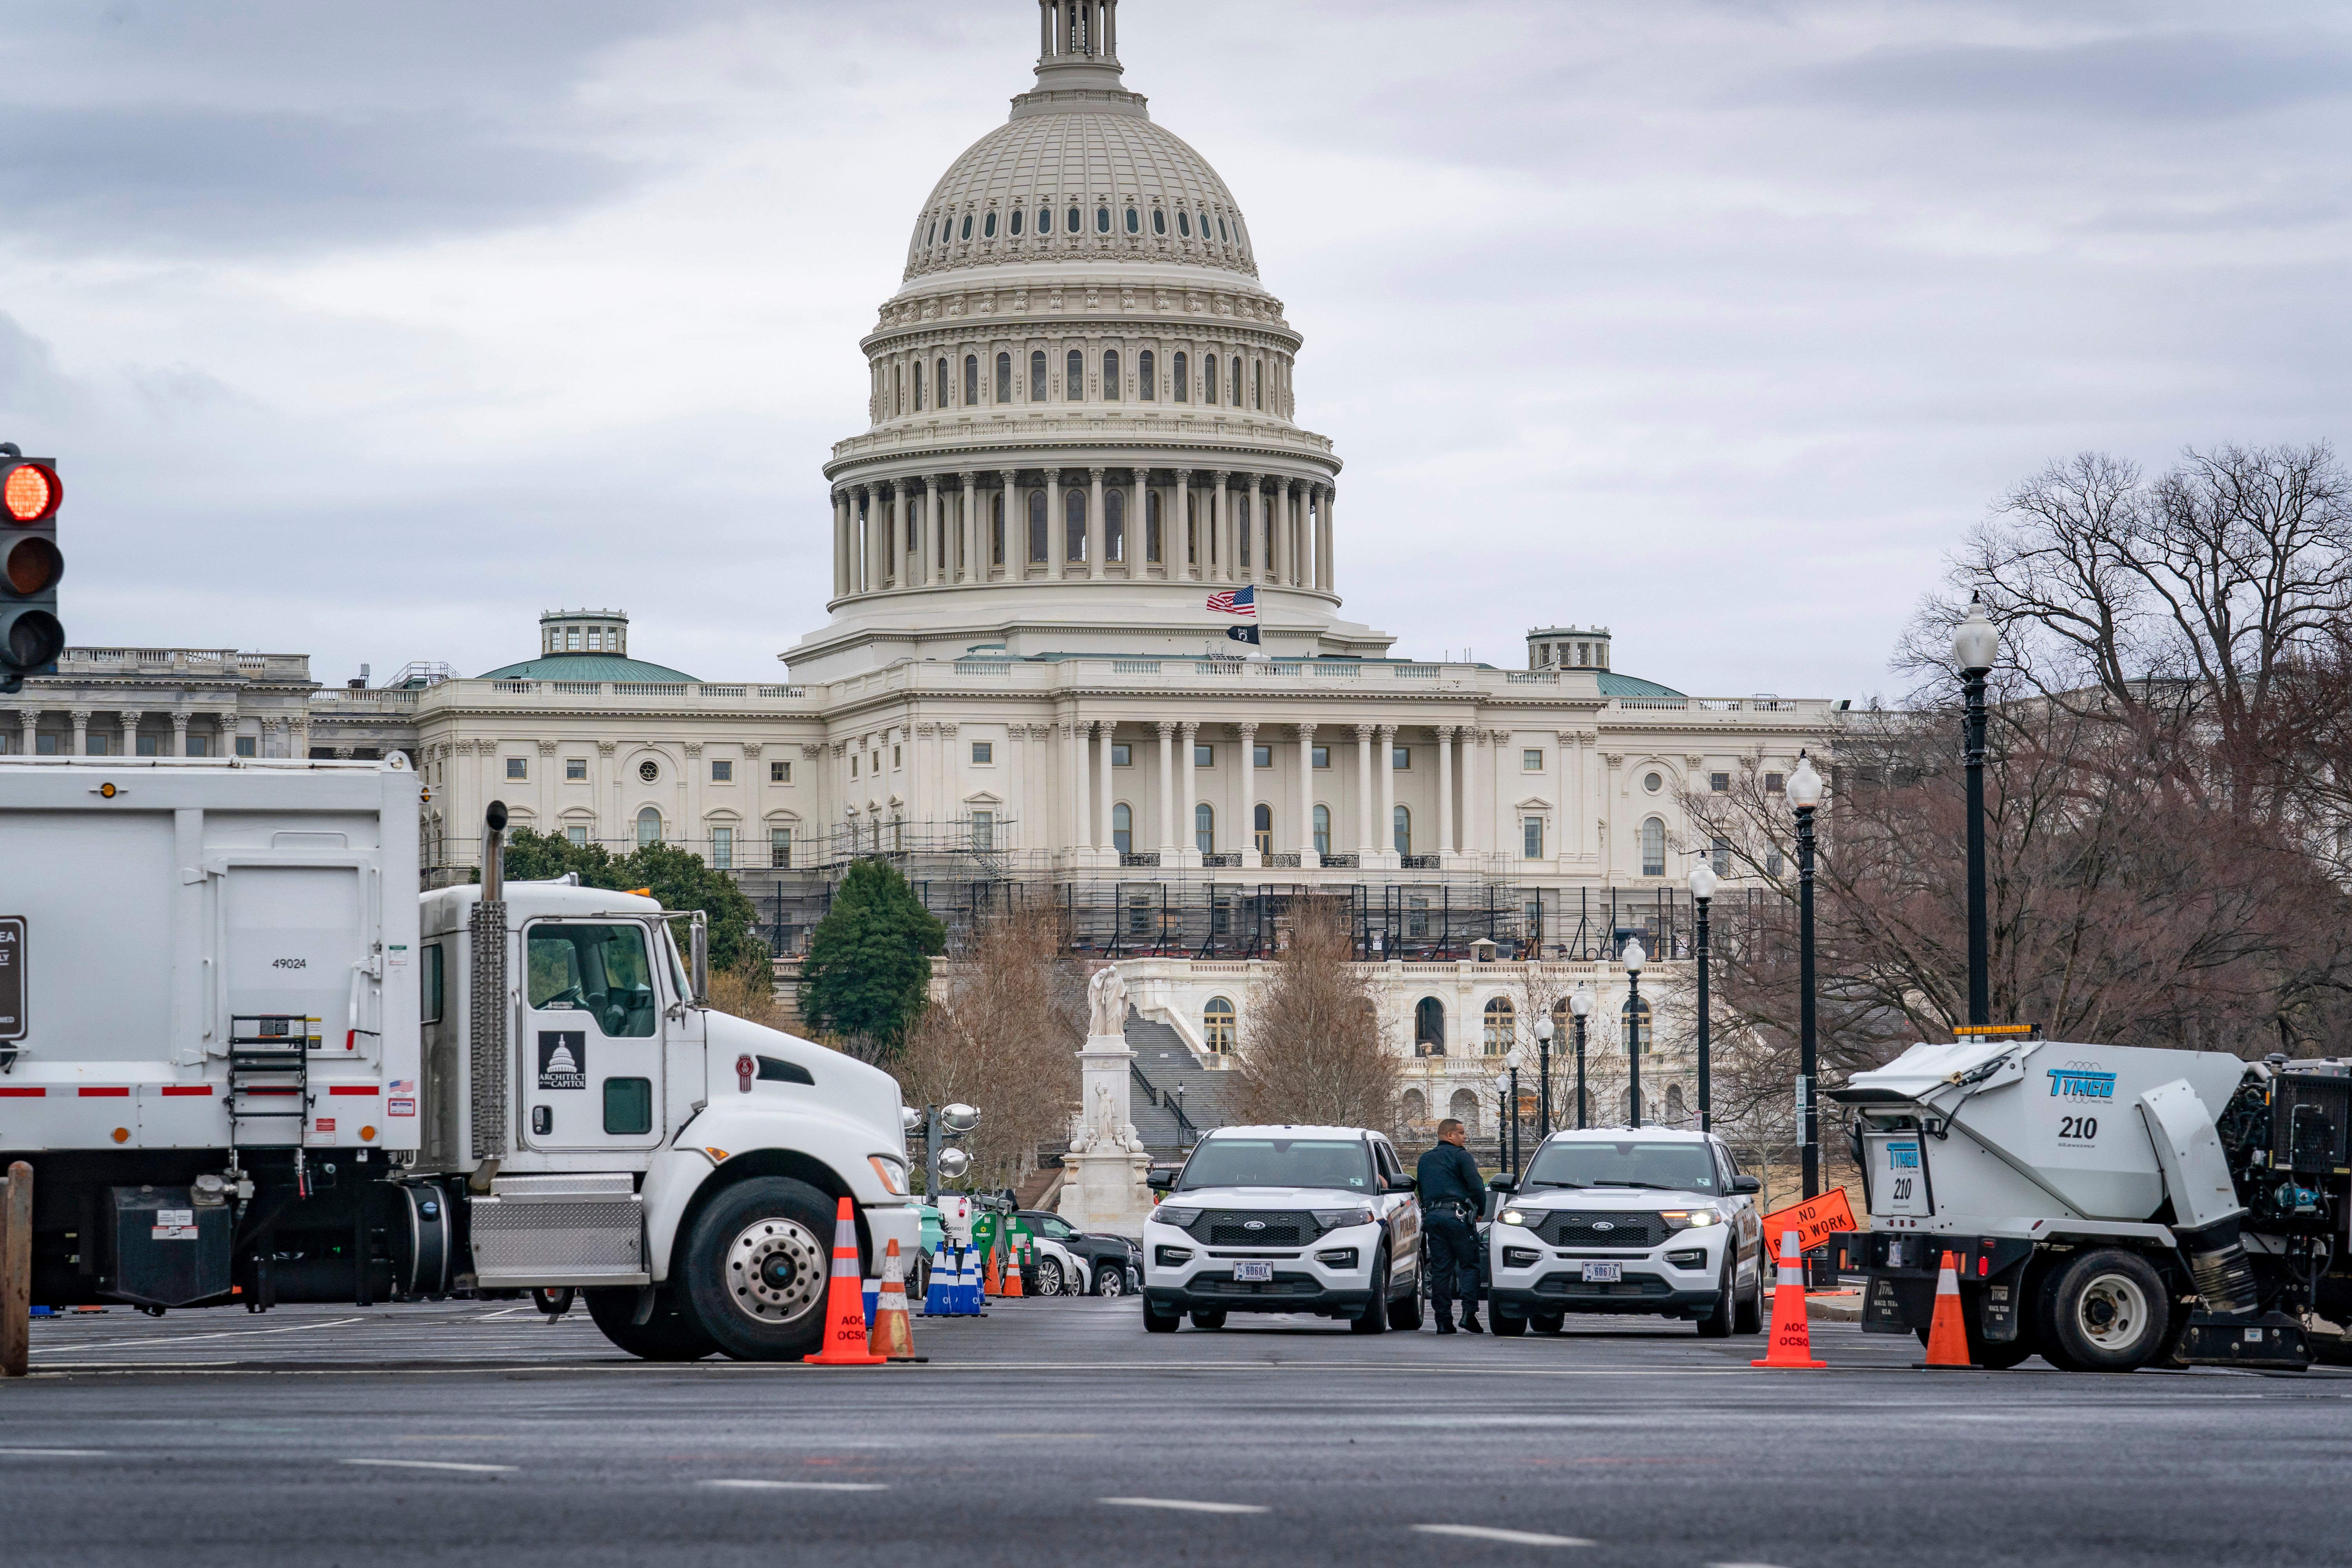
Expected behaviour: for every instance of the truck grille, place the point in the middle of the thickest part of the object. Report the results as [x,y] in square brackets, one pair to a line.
[1571,1227]
[1230,1227]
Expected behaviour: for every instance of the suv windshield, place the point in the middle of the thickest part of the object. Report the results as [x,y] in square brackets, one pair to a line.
[1279,1162]
[1675,1167]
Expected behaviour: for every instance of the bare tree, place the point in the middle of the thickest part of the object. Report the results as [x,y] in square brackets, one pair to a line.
[1313,1049]
[1004,1036]
[748,988]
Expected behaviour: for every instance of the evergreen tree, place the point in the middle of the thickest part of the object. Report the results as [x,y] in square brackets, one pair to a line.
[868,969]
[679,879]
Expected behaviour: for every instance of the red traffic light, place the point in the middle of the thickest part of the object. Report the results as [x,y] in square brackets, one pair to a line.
[30,492]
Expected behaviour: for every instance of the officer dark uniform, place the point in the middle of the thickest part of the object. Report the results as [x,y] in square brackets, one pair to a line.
[1453,1196]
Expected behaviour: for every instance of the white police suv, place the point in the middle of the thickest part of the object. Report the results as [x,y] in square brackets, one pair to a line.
[1651,1220]
[1284,1219]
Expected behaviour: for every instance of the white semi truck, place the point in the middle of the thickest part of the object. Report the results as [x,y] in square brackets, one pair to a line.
[2108,1206]
[249,1063]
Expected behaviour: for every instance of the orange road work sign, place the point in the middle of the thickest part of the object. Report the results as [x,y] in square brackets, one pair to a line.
[1815,1220]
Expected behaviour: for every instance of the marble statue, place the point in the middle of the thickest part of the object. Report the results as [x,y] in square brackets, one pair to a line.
[1106,1004]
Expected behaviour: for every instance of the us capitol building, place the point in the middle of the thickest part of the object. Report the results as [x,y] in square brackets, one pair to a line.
[1083,422]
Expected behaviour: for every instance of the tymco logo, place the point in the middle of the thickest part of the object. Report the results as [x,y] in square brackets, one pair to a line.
[2080,1081]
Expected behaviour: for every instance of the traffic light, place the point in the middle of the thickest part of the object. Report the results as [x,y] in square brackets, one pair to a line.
[30,636]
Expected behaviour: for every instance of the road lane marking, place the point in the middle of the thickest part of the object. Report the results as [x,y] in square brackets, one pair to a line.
[1184,1505]
[804,1486]
[53,1453]
[435,1465]
[1508,1536]
[190,1339]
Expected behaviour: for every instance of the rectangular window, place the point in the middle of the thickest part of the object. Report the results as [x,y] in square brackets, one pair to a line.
[1205,756]
[628,1106]
[429,982]
[1531,837]
[1322,756]
[780,772]
[46,746]
[1531,761]
[983,831]
[246,745]
[1721,855]
[578,834]
[722,770]
[984,753]
[1261,756]
[145,745]
[1772,863]
[576,770]
[1773,784]
[518,767]
[1400,758]
[1122,755]
[200,746]
[853,764]
[1719,783]
[898,757]
[94,744]
[722,849]
[780,849]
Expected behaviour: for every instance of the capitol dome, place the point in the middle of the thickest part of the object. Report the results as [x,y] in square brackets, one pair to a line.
[1082,411]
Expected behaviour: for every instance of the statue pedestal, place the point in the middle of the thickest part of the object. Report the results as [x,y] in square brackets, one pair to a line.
[1103,1187]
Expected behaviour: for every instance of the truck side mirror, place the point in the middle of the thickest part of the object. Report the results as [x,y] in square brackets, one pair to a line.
[1747,1185]
[701,960]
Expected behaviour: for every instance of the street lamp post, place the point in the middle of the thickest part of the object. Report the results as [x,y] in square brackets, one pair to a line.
[1702,887]
[1633,958]
[1579,1002]
[1805,795]
[1543,1077]
[1974,645]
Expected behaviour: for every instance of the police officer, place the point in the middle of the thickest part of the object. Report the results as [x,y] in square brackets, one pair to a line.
[1452,1195]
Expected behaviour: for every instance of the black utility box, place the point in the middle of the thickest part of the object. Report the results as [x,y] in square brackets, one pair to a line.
[169,1252]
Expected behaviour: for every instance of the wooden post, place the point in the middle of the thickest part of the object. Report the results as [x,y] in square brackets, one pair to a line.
[16,1271]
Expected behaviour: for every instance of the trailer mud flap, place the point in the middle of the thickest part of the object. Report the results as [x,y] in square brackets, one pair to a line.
[1882,1309]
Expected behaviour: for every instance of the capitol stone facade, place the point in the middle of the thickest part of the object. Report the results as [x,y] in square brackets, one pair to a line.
[1084,419]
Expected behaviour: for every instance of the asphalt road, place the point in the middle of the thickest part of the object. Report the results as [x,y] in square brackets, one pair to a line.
[1056,1430]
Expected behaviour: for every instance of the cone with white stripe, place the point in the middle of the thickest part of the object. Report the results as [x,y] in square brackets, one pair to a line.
[1948,1334]
[845,1300]
[1793,1342]
[892,1339]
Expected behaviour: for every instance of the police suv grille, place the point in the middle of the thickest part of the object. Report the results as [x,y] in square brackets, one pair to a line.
[1568,1227]
[1230,1227]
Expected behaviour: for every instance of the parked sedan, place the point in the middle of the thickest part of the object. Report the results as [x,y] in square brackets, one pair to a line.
[1112,1264]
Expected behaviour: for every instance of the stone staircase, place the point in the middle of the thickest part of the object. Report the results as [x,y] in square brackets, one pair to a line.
[1178,1078]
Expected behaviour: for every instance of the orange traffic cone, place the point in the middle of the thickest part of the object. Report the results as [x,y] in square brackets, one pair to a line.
[1948,1334]
[845,1300]
[892,1338]
[1012,1267]
[1793,1342]
[993,1278]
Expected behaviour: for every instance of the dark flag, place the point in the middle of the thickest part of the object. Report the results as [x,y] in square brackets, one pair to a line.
[1242,634]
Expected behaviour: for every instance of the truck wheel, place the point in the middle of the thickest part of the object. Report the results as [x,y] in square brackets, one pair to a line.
[2107,1311]
[1156,1322]
[756,1266]
[672,1334]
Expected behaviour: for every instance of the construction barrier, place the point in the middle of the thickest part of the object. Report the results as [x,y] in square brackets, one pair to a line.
[1948,1334]
[1793,1342]
[845,1300]
[893,1338]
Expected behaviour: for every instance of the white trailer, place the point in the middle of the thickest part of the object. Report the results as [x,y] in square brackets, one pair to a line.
[2107,1207]
[249,1064]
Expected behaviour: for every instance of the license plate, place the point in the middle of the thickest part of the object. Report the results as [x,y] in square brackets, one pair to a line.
[1245,1272]
[1603,1273]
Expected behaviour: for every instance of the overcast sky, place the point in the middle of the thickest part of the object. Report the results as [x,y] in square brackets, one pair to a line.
[371,332]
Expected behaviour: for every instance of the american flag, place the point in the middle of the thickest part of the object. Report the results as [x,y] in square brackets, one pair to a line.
[1235,601]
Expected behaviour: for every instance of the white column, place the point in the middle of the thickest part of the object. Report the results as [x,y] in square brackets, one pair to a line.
[1367,832]
[1101,823]
[841,515]
[934,537]
[1445,789]
[130,717]
[28,727]
[1475,839]
[1222,549]
[1057,550]
[869,566]
[1188,848]
[1096,534]
[1330,539]
[973,567]
[1306,736]
[1186,542]
[179,734]
[1284,571]
[1246,793]
[1077,777]
[1384,832]
[901,570]
[80,717]
[1167,793]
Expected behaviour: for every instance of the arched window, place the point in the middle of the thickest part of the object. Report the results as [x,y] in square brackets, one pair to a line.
[996,531]
[1322,830]
[1463,1108]
[1429,1027]
[1402,828]
[1184,223]
[1676,1110]
[1134,222]
[1115,525]
[1222,234]
[1073,378]
[1416,1108]
[1217,1026]
[939,383]
[1018,213]
[1178,381]
[1502,1027]
[1151,527]
[1037,375]
[1122,828]
[1044,220]
[1264,828]
[1208,378]
[1257,385]
[1159,222]
[1110,375]
[1654,847]
[1073,508]
[967,226]
[971,380]
[918,386]
[1038,526]
[1102,220]
[1236,398]
[898,388]
[987,227]
[1144,374]
[1204,828]
[650,827]
[1072,221]
[1191,531]
[933,237]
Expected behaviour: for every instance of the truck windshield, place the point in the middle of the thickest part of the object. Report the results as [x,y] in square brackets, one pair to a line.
[1675,1167]
[1279,1162]
[597,969]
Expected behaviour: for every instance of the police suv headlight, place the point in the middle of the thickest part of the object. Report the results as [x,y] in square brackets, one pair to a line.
[1180,1219]
[1692,1219]
[1339,1219]
[1514,1217]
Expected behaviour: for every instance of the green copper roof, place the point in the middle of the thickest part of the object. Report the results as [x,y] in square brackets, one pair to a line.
[586,666]
[1615,685]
